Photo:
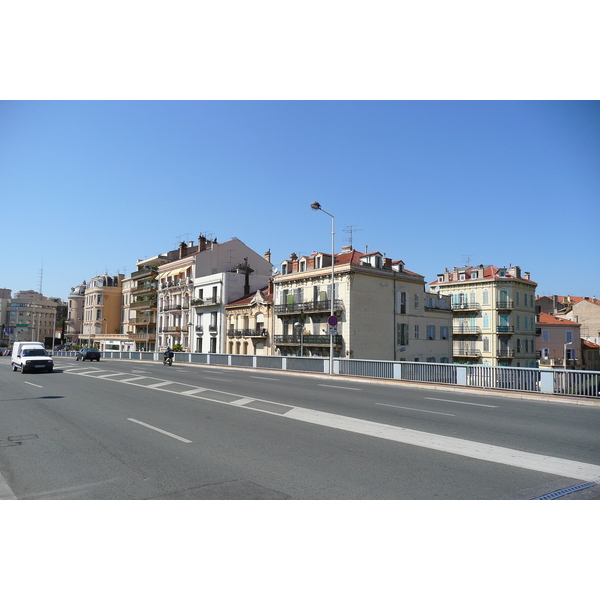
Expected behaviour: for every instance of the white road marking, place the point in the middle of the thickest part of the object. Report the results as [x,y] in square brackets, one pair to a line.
[33,384]
[159,384]
[109,375]
[460,402]
[218,379]
[131,379]
[442,443]
[181,439]
[242,401]
[339,387]
[259,377]
[433,412]
[6,492]
[194,391]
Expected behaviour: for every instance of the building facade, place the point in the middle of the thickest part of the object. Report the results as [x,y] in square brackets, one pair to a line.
[494,315]
[250,323]
[32,316]
[558,342]
[102,312]
[195,288]
[383,310]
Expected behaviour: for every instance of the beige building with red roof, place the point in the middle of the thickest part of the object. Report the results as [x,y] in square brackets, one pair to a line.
[558,339]
[250,323]
[494,315]
[584,310]
[383,310]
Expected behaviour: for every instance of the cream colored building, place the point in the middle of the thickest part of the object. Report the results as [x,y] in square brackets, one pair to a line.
[31,316]
[494,315]
[102,312]
[76,302]
[250,323]
[383,310]
[195,287]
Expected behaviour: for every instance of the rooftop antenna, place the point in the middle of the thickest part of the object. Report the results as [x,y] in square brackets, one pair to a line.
[41,279]
[467,257]
[185,236]
[351,229]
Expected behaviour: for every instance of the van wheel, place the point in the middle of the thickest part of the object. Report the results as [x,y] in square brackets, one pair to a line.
[14,367]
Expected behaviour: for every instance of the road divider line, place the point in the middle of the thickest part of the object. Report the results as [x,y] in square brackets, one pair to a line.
[6,492]
[177,437]
[131,379]
[460,402]
[433,412]
[33,384]
[159,384]
[242,401]
[442,443]
[194,391]
[339,387]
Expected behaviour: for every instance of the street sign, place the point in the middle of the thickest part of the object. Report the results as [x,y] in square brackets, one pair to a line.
[333,330]
[22,325]
[332,320]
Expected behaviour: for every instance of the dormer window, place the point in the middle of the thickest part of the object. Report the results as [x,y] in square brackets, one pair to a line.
[474,275]
[284,268]
[302,265]
[502,273]
[462,277]
[318,262]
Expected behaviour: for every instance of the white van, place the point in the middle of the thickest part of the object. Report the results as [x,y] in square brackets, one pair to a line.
[31,356]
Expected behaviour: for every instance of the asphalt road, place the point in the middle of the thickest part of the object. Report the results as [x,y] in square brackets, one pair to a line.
[137,430]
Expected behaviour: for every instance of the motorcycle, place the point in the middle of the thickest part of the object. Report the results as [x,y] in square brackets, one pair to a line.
[168,360]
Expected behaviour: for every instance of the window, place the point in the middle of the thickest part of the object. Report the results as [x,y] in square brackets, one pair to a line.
[444,332]
[318,262]
[486,344]
[431,332]
[416,332]
[545,335]
[518,298]
[402,334]
[401,299]
[416,301]
[486,320]
[569,337]
[284,268]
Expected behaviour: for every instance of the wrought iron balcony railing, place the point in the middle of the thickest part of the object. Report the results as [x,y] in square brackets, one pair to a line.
[505,329]
[505,305]
[307,340]
[314,306]
[466,330]
[468,306]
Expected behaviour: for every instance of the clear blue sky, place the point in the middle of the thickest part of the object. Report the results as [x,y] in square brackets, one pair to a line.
[92,186]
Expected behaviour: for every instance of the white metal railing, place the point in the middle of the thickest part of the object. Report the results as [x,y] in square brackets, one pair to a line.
[548,381]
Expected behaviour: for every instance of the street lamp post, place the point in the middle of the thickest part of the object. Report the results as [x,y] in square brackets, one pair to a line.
[317,206]
[300,327]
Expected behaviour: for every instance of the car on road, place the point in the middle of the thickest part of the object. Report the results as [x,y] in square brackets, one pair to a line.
[32,358]
[88,354]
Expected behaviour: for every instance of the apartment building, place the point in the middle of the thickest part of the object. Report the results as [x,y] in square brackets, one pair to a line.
[141,303]
[5,330]
[383,310]
[584,310]
[250,323]
[76,302]
[558,341]
[31,316]
[493,315]
[195,288]
[102,312]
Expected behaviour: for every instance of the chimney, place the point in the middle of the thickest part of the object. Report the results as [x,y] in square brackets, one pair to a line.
[201,243]
[527,275]
[182,249]
[268,255]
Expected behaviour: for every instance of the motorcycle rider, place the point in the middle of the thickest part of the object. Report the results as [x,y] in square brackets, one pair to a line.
[168,354]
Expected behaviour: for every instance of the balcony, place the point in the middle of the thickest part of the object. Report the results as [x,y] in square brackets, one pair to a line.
[307,340]
[505,353]
[143,336]
[171,307]
[143,321]
[143,304]
[184,281]
[465,351]
[172,329]
[466,306]
[316,306]
[505,305]
[505,329]
[466,330]
[144,288]
[251,333]
[199,303]
[145,272]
